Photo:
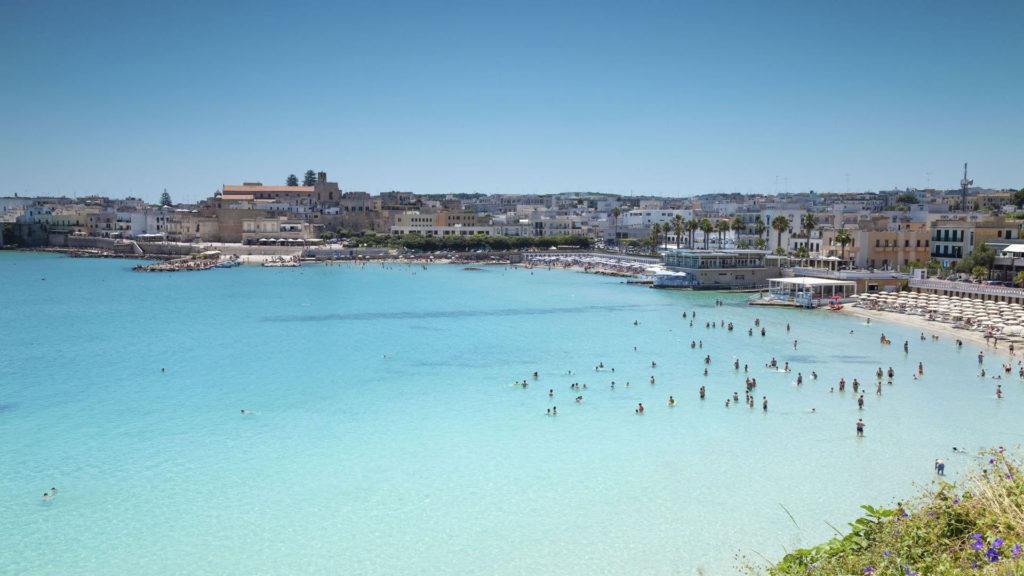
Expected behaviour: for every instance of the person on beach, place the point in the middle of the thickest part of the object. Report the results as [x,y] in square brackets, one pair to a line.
[799,378]
[860,427]
[906,347]
[940,467]
[701,392]
[999,390]
[764,403]
[981,357]
[920,368]
[860,402]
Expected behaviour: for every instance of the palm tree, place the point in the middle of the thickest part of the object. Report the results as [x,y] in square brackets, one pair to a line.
[802,252]
[723,226]
[739,226]
[707,228]
[808,222]
[655,236]
[677,227]
[615,223]
[760,228]
[691,226]
[780,224]
[844,238]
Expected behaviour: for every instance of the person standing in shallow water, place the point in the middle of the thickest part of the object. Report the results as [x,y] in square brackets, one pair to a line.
[860,427]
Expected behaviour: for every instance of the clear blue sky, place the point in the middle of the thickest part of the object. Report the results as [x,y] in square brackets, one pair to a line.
[644,97]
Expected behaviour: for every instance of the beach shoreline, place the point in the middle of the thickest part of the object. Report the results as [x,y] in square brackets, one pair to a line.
[933,328]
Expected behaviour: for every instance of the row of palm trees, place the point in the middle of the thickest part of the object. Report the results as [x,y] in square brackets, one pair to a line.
[678,225]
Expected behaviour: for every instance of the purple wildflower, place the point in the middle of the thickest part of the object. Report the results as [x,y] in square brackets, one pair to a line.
[998,542]
[869,570]
[1016,551]
[957,501]
[978,545]
[992,554]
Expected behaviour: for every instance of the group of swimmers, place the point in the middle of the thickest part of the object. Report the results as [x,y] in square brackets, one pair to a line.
[47,496]
[881,374]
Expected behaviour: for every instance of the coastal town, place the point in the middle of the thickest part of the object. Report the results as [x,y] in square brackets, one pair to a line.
[714,241]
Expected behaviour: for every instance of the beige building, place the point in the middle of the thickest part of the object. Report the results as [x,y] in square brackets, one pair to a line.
[954,238]
[886,243]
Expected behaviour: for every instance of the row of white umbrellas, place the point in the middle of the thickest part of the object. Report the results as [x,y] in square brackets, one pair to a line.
[1008,316]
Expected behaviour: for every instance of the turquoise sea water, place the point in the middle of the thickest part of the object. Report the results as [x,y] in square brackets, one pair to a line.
[389,438]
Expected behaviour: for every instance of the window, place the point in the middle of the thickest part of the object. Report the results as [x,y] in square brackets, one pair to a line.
[878,243]
[906,243]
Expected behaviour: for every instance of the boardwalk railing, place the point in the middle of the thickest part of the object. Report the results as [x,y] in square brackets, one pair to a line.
[967,287]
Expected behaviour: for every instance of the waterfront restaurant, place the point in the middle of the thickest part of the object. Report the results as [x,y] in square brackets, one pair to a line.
[804,291]
[723,269]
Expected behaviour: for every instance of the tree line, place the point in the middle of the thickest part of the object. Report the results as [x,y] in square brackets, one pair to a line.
[453,243]
[308,179]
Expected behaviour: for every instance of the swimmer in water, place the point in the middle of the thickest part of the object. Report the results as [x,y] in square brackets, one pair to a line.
[640,408]
[46,496]
[999,391]
[671,401]
[860,427]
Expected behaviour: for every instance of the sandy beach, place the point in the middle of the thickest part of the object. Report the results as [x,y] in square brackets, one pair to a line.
[943,331]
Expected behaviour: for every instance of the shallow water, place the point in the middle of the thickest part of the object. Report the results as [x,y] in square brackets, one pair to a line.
[390,439]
